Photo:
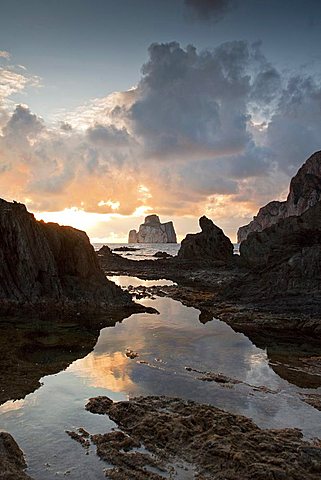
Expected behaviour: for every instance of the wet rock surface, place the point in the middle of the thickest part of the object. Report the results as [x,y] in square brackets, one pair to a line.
[214,442]
[305,191]
[12,462]
[49,265]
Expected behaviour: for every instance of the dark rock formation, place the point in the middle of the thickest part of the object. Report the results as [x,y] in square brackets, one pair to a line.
[162,255]
[42,263]
[209,244]
[284,262]
[125,249]
[217,444]
[152,231]
[305,191]
[12,462]
[282,241]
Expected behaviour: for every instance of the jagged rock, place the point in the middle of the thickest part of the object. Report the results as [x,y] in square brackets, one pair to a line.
[305,191]
[216,444]
[282,241]
[12,462]
[152,231]
[209,244]
[45,262]
[285,262]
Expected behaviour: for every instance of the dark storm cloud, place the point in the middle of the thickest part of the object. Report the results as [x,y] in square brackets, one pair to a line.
[188,100]
[294,131]
[209,9]
[108,135]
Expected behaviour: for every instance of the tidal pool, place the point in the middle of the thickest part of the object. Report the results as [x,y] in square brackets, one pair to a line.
[165,345]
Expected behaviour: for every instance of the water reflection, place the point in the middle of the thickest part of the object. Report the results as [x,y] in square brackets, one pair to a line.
[109,371]
[166,344]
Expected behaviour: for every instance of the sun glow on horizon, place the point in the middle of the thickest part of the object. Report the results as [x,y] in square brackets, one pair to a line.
[97,225]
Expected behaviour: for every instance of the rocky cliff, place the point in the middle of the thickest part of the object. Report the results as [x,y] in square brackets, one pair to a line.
[47,263]
[209,244]
[284,262]
[152,231]
[305,191]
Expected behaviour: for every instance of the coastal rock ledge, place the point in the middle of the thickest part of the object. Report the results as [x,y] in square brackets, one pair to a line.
[153,231]
[50,265]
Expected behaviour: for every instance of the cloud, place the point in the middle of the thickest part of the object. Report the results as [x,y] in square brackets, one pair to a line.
[206,10]
[5,54]
[216,131]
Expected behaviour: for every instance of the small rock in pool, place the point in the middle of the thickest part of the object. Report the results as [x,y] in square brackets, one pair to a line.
[131,354]
[99,405]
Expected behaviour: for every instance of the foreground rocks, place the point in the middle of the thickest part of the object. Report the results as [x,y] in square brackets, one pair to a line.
[209,442]
[305,191]
[12,462]
[210,243]
[49,265]
[152,231]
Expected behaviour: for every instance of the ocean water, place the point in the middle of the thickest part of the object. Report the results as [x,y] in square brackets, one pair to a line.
[166,344]
[146,251]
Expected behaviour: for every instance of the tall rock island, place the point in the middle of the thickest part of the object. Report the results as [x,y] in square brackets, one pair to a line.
[305,192]
[153,231]
[48,264]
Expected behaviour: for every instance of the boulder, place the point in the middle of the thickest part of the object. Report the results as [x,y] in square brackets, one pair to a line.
[305,191]
[45,262]
[209,244]
[153,231]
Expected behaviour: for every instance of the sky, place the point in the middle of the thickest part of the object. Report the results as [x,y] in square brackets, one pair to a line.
[112,110]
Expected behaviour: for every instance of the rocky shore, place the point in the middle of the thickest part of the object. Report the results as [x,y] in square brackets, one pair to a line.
[304,192]
[273,288]
[47,267]
[159,436]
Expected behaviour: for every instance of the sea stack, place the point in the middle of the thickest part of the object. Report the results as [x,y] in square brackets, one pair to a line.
[209,244]
[305,192]
[153,231]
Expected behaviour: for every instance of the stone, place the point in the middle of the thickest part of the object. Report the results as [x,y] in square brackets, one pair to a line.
[162,255]
[214,443]
[153,231]
[132,237]
[45,263]
[209,244]
[304,192]
[285,262]
[12,462]
[283,240]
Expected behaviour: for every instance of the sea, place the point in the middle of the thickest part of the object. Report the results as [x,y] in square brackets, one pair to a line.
[146,251]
